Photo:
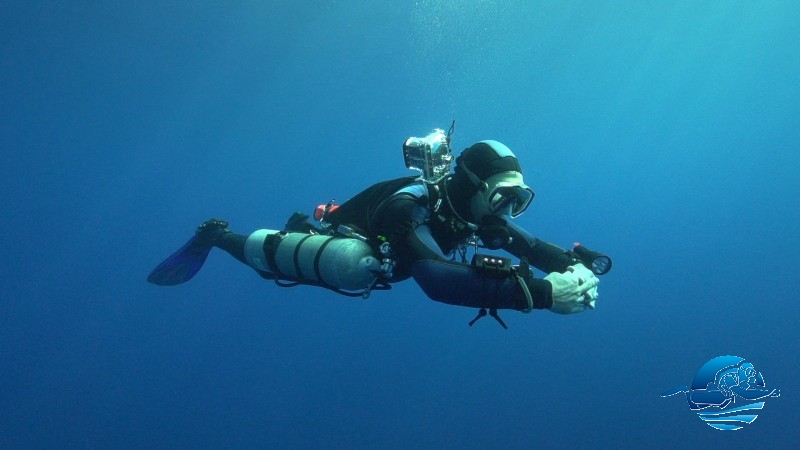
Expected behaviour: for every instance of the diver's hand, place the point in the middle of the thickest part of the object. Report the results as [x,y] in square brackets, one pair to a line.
[574,290]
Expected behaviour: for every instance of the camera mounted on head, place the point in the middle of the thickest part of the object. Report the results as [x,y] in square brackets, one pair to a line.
[431,155]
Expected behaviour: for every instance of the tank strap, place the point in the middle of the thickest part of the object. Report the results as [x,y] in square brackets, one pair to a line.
[316,261]
[296,259]
[270,249]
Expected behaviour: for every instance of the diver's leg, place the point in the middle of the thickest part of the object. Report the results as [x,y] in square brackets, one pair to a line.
[300,223]
[216,233]
[233,244]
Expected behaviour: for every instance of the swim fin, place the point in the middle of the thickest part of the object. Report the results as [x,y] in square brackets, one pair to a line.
[182,265]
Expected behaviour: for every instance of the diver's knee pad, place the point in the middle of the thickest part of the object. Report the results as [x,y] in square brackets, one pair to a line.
[336,262]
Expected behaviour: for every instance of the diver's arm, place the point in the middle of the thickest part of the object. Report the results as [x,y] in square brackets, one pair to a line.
[461,284]
[573,286]
[396,221]
[402,221]
[544,256]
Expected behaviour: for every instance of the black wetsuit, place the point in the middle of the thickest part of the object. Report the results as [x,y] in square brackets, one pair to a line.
[419,222]
[424,232]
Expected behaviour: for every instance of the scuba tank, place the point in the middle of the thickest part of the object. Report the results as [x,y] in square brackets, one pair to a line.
[338,263]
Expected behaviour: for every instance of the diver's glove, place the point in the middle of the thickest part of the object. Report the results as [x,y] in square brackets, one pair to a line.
[574,290]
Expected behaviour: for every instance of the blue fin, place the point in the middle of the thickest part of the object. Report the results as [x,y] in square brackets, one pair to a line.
[182,265]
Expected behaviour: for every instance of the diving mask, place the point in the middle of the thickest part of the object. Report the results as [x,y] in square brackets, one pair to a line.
[502,194]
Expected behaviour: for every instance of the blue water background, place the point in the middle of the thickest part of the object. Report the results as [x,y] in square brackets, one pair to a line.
[664,133]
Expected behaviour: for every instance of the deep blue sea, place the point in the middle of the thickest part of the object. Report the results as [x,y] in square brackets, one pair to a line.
[664,133]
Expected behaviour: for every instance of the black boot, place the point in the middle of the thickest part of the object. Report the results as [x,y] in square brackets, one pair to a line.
[211,231]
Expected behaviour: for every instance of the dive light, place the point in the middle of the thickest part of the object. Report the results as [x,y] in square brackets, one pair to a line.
[599,263]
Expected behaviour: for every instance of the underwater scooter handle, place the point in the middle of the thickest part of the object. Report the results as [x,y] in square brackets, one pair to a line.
[598,263]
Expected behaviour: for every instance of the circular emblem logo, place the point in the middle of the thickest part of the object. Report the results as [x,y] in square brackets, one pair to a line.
[724,393]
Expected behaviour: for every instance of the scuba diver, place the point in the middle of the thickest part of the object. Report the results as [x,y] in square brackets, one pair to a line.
[416,227]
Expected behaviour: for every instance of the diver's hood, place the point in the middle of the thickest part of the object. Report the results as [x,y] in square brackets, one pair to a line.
[496,178]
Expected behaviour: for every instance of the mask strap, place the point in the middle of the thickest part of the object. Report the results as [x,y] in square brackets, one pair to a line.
[472,177]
